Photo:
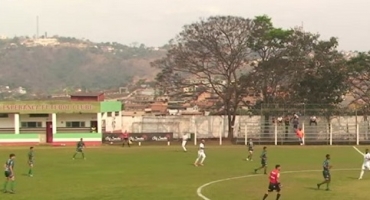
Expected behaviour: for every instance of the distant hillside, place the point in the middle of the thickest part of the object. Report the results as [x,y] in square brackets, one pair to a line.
[51,64]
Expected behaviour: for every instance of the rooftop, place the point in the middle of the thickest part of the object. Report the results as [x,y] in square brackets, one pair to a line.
[81,94]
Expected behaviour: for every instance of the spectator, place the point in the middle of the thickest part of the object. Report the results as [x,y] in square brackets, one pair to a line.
[300,136]
[287,120]
[313,120]
[93,129]
[280,120]
[295,122]
[287,123]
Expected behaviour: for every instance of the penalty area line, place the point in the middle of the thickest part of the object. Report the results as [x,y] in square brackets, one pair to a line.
[358,150]
[199,189]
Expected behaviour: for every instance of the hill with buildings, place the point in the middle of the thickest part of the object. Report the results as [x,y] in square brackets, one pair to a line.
[52,65]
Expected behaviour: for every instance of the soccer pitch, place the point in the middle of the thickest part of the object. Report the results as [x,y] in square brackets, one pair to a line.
[167,173]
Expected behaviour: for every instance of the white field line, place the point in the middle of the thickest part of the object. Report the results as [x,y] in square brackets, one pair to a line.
[199,190]
[358,150]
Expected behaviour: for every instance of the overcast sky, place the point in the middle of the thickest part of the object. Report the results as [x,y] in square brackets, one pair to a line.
[155,22]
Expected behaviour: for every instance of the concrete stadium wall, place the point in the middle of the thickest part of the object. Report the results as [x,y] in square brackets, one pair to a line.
[213,126]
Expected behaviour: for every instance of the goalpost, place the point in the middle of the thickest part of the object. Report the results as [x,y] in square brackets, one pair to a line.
[221,129]
[245,134]
[194,130]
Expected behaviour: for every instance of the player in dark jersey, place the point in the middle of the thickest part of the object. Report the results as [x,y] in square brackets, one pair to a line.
[250,150]
[263,161]
[9,174]
[79,149]
[30,161]
[326,173]
[274,183]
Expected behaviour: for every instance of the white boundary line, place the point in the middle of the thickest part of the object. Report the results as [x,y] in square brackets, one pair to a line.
[199,189]
[358,150]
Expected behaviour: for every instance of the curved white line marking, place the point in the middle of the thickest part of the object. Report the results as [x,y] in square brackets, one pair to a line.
[199,190]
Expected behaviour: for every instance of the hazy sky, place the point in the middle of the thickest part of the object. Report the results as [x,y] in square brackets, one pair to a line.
[155,22]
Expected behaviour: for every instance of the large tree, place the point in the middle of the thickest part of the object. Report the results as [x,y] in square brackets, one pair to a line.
[323,76]
[359,80]
[273,73]
[213,54]
[322,81]
[271,70]
[297,67]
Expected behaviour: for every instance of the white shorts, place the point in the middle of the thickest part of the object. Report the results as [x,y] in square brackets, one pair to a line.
[365,167]
[184,142]
[201,154]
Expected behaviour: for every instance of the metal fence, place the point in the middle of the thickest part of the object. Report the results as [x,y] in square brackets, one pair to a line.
[334,125]
[333,133]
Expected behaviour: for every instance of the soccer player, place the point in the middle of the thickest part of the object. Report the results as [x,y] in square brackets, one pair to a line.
[326,173]
[30,161]
[201,155]
[185,138]
[9,174]
[366,164]
[250,150]
[274,184]
[80,147]
[263,161]
[300,135]
[125,137]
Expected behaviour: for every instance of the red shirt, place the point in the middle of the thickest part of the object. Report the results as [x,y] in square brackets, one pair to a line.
[125,135]
[299,133]
[274,176]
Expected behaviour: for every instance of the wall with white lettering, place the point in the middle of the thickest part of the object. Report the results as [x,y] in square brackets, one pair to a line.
[61,119]
[110,122]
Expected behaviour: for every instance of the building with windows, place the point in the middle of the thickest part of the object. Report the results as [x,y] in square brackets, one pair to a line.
[58,122]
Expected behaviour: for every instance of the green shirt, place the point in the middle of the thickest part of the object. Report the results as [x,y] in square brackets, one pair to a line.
[325,165]
[264,155]
[30,156]
[9,164]
[80,145]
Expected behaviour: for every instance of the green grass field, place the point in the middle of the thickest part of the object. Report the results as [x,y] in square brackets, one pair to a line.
[167,173]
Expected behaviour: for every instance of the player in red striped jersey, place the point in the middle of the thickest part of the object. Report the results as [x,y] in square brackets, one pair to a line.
[274,184]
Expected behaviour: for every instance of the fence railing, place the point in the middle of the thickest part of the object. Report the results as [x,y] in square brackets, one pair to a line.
[314,134]
[351,130]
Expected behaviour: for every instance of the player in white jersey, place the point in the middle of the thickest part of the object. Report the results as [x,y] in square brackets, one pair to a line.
[366,164]
[201,155]
[250,149]
[185,138]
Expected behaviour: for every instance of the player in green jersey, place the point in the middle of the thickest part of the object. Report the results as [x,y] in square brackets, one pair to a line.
[326,173]
[263,161]
[9,174]
[80,147]
[30,161]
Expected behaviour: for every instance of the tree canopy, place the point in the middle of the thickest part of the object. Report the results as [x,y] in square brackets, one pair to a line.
[214,54]
[231,56]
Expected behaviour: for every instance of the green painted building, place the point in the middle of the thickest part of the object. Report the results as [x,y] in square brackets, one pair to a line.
[55,122]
